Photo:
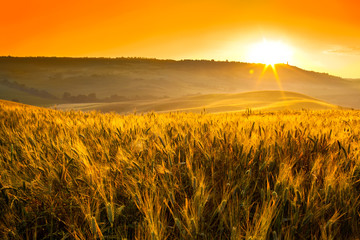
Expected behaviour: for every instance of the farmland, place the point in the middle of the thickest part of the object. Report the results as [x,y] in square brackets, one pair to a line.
[244,175]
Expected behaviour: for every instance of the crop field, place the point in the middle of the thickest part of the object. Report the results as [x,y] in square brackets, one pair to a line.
[246,175]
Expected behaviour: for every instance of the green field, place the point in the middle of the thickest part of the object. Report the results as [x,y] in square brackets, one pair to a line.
[246,175]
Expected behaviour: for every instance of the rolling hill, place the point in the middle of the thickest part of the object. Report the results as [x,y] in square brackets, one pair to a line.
[150,80]
[213,103]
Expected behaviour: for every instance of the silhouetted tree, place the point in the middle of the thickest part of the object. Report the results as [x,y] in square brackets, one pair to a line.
[92,97]
[66,96]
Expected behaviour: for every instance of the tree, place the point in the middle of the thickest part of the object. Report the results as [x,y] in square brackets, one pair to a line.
[66,96]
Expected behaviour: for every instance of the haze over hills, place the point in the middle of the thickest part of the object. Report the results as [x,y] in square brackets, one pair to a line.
[211,103]
[153,83]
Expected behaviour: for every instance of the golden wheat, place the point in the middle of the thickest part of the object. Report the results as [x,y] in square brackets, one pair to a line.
[283,175]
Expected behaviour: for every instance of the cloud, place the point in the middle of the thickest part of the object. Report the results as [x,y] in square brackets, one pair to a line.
[344,50]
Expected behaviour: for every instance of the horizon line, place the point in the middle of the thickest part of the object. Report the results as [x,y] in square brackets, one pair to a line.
[174,60]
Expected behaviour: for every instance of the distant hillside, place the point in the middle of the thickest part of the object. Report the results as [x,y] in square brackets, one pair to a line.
[151,79]
[214,103]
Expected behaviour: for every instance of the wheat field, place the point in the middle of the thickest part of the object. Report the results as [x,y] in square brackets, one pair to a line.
[247,175]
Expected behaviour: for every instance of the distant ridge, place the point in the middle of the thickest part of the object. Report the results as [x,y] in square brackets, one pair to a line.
[154,79]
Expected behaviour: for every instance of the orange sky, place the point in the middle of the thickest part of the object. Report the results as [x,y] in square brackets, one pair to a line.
[325,35]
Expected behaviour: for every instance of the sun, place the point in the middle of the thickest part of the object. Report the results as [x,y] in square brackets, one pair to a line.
[269,52]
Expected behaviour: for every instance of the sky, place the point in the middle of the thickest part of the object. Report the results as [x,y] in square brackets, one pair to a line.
[323,36]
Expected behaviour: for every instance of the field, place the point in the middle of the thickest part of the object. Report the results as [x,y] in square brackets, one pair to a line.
[45,81]
[211,103]
[245,175]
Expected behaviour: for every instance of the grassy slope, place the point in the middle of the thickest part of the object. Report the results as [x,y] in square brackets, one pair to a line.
[158,78]
[289,175]
[11,94]
[214,103]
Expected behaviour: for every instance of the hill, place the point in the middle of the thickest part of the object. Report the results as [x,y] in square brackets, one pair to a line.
[76,175]
[214,103]
[151,79]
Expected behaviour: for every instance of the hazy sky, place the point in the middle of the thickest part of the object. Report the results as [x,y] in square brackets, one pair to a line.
[323,35]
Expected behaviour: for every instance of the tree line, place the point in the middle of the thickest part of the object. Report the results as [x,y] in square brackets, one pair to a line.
[68,97]
[22,87]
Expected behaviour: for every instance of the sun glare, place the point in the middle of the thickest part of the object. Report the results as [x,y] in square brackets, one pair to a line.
[269,52]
